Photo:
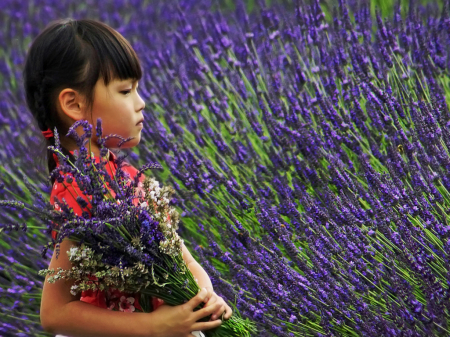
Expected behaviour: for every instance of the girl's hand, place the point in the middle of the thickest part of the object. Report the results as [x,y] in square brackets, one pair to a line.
[224,307]
[181,320]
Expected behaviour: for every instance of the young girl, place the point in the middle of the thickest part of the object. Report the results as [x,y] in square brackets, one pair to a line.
[84,69]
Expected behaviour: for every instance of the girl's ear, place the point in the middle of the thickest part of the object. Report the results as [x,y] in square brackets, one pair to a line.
[71,104]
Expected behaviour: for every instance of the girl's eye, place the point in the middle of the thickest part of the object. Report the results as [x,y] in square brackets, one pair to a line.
[127,91]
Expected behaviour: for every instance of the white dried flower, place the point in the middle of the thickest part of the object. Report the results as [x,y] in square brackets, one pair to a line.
[73,290]
[72,252]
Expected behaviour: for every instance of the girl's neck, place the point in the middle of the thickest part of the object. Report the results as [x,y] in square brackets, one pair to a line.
[96,155]
[71,147]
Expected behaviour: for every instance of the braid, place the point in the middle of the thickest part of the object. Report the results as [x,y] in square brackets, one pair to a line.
[45,121]
[41,111]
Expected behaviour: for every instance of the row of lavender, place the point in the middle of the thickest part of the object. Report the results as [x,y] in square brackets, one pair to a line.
[316,152]
[309,157]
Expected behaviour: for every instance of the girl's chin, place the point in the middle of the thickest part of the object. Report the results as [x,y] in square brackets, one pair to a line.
[129,144]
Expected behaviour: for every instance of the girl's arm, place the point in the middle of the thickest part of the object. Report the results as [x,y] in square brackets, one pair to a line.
[197,270]
[205,282]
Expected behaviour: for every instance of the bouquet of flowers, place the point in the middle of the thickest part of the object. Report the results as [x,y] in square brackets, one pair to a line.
[130,242]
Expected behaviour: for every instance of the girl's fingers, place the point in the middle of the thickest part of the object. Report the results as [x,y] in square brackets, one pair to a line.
[219,312]
[211,301]
[229,312]
[206,325]
[206,311]
[197,299]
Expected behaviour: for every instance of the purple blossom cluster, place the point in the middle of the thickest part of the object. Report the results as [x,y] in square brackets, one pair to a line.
[309,148]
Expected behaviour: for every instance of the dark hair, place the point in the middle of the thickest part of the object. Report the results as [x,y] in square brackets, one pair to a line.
[71,53]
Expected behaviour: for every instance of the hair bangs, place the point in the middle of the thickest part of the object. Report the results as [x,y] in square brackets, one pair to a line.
[116,58]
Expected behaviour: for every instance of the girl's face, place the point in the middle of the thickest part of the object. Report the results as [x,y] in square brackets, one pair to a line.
[120,108]
[118,105]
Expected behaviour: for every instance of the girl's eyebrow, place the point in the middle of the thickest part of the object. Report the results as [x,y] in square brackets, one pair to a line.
[125,82]
[134,82]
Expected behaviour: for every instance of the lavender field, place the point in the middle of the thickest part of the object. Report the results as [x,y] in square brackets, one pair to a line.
[308,143]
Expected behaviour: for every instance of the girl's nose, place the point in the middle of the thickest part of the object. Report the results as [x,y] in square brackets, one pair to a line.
[142,103]
[142,106]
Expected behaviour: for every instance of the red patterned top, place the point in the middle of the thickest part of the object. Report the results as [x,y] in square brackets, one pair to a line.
[111,299]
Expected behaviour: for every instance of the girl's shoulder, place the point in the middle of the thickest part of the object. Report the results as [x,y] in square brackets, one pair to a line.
[64,188]
[69,192]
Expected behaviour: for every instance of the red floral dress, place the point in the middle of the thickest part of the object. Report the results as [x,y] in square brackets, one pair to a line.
[112,298]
